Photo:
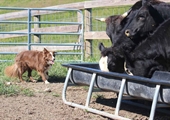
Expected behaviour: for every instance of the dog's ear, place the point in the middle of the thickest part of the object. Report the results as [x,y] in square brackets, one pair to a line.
[54,53]
[45,51]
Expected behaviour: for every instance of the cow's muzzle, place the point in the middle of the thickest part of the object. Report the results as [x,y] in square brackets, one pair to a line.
[127,33]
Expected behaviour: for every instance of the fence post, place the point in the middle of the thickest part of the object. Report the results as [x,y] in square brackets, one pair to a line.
[37,38]
[88,27]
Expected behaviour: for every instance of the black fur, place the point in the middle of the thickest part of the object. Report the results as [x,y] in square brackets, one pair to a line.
[147,19]
[151,54]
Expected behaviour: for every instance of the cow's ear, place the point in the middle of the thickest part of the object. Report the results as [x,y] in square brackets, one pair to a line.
[136,6]
[101,47]
[145,2]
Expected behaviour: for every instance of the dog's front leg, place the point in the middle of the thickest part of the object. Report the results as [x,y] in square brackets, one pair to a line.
[43,76]
[46,75]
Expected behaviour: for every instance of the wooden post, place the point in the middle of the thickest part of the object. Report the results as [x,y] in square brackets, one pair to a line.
[37,38]
[88,27]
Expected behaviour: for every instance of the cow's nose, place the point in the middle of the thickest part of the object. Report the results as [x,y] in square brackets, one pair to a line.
[127,32]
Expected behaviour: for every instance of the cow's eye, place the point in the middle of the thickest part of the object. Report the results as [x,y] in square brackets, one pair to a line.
[141,17]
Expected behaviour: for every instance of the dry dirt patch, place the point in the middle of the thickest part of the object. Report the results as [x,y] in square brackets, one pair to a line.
[49,105]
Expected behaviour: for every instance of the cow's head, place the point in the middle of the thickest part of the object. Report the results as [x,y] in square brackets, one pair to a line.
[108,61]
[144,22]
[115,24]
[113,27]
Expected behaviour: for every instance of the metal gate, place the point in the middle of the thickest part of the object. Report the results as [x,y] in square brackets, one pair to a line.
[57,29]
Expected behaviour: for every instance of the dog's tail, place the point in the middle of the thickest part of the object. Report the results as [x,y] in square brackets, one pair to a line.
[12,71]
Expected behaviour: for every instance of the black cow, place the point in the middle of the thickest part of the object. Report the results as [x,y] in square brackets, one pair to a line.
[115,26]
[152,19]
[108,61]
[147,19]
[152,54]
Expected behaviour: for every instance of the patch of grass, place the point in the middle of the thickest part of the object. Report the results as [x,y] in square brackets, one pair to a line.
[10,90]
[13,90]
[34,3]
[55,95]
[86,110]
[86,87]
[98,96]
[27,92]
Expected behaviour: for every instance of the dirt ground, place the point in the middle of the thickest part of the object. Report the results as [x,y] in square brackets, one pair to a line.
[50,106]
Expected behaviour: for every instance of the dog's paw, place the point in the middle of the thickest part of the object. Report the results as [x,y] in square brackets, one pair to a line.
[34,81]
[46,82]
[23,82]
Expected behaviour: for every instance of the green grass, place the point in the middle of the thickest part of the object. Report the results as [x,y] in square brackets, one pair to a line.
[98,96]
[55,95]
[26,92]
[13,90]
[34,3]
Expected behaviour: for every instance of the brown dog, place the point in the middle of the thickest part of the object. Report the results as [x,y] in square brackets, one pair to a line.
[40,61]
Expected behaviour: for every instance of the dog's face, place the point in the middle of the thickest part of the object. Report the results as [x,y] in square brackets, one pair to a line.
[49,56]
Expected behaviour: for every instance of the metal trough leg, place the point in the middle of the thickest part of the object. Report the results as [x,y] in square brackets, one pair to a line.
[65,89]
[65,85]
[119,99]
[90,90]
[154,102]
[86,107]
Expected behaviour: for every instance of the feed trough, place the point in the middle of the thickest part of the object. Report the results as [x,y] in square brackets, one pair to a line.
[155,89]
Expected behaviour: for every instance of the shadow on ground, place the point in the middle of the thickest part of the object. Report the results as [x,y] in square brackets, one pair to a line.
[135,106]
